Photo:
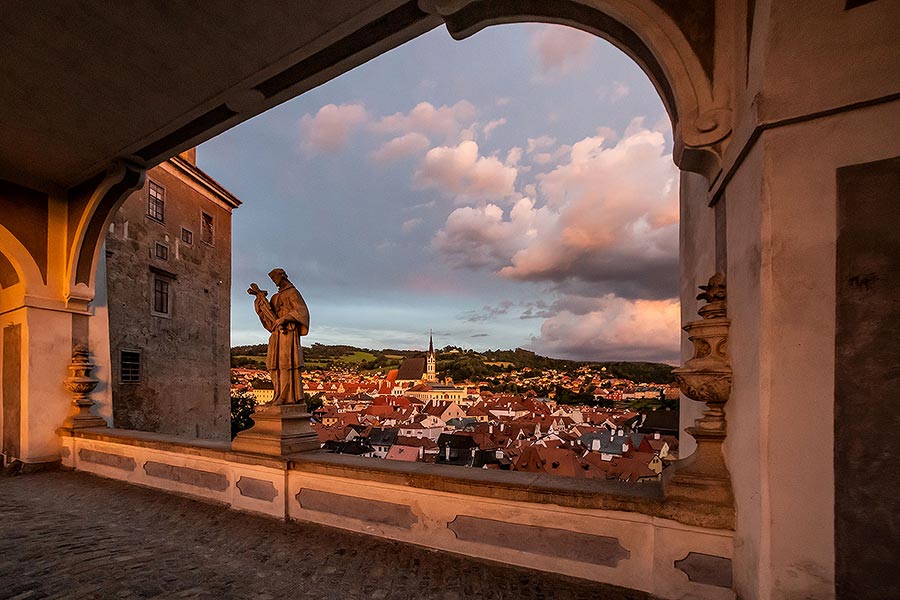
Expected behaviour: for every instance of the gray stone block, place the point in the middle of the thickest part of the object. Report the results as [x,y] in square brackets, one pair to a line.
[195,477]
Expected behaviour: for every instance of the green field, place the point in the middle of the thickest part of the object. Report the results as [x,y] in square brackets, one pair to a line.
[357,357]
[314,361]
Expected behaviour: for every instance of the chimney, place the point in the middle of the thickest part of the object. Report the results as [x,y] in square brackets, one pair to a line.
[624,447]
[595,445]
[620,433]
[656,436]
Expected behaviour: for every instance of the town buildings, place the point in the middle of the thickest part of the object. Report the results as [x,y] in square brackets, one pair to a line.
[375,416]
[168,281]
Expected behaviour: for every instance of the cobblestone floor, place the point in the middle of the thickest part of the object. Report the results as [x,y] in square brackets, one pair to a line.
[71,535]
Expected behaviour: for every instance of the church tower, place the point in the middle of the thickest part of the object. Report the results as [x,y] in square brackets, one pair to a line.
[430,374]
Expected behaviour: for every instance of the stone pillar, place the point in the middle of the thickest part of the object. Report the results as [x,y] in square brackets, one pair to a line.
[37,346]
[53,241]
[278,430]
[703,478]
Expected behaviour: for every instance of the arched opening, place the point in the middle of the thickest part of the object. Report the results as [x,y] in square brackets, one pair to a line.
[578,201]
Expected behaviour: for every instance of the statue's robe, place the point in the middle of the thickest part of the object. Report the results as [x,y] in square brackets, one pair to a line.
[284,359]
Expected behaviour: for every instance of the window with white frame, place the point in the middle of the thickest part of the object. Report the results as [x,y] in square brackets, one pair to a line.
[156,202]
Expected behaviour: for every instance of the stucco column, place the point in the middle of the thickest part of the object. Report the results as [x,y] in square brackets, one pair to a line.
[36,346]
[51,244]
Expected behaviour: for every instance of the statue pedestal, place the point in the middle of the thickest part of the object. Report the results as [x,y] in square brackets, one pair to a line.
[278,430]
[702,477]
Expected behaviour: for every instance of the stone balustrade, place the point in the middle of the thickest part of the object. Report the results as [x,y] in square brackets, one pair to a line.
[621,534]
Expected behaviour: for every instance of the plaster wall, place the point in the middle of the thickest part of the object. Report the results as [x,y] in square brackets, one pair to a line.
[747,408]
[806,57]
[819,55]
[10,383]
[697,263]
[781,253]
[804,245]
[47,350]
[98,340]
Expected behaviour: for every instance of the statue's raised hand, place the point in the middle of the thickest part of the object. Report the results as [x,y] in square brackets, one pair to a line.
[255,291]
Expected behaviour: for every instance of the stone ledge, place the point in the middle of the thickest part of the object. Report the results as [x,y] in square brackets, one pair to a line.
[170,443]
[644,498]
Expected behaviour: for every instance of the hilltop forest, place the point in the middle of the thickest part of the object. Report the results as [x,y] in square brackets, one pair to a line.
[453,362]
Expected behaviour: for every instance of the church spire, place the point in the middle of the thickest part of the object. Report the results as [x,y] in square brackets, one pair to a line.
[430,363]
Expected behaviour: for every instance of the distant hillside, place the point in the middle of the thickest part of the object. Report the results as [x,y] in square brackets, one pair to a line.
[453,362]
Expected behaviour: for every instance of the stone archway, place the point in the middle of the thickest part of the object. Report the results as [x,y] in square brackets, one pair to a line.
[17,265]
[653,34]
[92,207]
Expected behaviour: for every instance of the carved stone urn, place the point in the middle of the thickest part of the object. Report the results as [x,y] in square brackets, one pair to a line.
[81,383]
[706,377]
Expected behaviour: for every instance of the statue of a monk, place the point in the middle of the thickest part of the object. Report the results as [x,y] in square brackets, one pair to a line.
[287,317]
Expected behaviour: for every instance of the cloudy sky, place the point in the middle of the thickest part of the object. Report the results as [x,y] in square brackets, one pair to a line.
[515,189]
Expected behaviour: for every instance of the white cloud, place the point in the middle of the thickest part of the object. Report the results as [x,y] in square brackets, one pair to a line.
[613,328]
[460,171]
[561,50]
[481,237]
[445,121]
[503,101]
[329,129]
[608,223]
[492,125]
[405,145]
[534,144]
[541,150]
[513,156]
[469,134]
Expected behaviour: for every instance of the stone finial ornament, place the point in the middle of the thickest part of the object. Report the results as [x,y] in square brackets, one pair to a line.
[706,377]
[81,383]
[714,291]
